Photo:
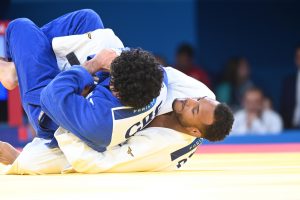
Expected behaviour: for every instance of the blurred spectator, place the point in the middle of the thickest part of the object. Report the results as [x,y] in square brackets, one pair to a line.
[185,63]
[236,80]
[161,60]
[290,96]
[268,103]
[256,116]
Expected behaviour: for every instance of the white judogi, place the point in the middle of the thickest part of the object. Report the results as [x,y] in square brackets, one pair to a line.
[183,86]
[152,149]
[83,45]
[149,150]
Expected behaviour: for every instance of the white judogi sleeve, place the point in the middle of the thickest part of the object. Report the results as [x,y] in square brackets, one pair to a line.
[152,149]
[181,85]
[83,45]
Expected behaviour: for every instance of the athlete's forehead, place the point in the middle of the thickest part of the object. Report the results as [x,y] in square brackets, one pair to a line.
[199,98]
[195,98]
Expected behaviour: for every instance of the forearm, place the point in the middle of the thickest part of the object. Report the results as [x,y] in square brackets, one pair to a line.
[63,94]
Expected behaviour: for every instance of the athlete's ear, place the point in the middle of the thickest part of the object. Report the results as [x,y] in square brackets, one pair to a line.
[193,131]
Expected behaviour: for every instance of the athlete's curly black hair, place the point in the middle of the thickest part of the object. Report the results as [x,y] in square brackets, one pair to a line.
[221,127]
[137,77]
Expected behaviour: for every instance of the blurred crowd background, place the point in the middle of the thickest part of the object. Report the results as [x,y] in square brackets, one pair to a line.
[247,52]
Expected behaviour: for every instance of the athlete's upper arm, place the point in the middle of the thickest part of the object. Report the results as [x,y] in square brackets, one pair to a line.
[61,100]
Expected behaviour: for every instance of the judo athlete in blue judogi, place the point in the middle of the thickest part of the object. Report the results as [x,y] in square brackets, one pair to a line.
[101,119]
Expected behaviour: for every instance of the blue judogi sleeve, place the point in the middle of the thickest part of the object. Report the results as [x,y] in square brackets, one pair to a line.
[61,100]
[99,119]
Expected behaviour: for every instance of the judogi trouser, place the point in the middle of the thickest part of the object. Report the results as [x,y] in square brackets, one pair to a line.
[29,47]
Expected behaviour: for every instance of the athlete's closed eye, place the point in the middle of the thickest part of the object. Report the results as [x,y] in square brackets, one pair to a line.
[198,106]
[195,109]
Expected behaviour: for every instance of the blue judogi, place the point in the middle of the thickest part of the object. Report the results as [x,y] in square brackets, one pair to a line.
[58,94]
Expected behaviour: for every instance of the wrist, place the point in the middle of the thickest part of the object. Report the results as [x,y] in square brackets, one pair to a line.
[90,66]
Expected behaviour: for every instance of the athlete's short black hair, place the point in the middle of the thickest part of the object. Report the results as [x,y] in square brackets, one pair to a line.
[222,125]
[137,77]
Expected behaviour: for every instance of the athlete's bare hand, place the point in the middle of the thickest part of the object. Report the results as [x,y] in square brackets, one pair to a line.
[101,61]
[105,58]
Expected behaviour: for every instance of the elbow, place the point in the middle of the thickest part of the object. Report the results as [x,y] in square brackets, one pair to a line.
[51,97]
[44,99]
[48,102]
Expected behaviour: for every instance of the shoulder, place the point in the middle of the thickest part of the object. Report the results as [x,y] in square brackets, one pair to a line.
[181,85]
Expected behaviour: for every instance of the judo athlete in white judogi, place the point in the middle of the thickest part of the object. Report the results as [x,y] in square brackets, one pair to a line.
[166,144]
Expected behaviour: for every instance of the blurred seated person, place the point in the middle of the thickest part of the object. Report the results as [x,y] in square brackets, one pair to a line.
[256,117]
[290,96]
[268,104]
[235,81]
[185,63]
